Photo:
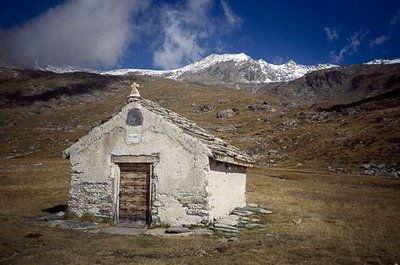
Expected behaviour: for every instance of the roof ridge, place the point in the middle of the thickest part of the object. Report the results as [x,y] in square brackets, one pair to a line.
[218,146]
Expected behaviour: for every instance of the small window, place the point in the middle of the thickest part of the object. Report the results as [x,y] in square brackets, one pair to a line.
[134,117]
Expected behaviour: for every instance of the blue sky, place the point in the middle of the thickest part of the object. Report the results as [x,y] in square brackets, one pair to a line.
[168,34]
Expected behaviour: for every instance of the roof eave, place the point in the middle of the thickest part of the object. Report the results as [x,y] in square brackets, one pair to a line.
[232,160]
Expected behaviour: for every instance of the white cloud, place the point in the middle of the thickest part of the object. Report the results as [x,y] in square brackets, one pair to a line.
[353,42]
[331,34]
[230,16]
[79,33]
[189,30]
[183,28]
[278,60]
[378,41]
[396,18]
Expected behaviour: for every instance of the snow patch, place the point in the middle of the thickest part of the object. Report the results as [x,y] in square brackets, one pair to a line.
[271,72]
[383,61]
[242,62]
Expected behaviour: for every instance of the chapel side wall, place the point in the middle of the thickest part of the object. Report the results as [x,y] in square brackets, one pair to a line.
[92,179]
[226,188]
[179,177]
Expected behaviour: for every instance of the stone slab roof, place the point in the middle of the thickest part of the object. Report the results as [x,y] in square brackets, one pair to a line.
[220,150]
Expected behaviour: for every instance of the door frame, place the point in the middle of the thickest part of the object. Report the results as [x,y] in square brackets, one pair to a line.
[123,159]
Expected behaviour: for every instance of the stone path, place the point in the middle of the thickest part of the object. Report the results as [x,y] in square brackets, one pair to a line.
[239,218]
[122,231]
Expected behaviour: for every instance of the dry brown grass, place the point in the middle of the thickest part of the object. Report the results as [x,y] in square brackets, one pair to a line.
[36,128]
[345,219]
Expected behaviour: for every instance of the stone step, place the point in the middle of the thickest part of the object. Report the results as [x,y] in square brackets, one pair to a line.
[232,220]
[242,212]
[225,229]
[264,211]
[224,226]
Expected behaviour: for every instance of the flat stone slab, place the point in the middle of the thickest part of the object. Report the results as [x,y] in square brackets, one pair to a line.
[72,224]
[123,231]
[240,218]
[231,220]
[224,226]
[50,217]
[202,231]
[155,231]
[226,230]
[241,223]
[54,223]
[242,212]
[177,230]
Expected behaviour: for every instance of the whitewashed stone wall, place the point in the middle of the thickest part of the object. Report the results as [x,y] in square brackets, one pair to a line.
[226,188]
[179,177]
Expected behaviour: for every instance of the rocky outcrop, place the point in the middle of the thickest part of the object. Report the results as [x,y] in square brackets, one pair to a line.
[341,85]
[329,79]
[391,170]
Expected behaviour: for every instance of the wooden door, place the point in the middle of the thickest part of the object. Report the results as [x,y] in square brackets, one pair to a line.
[134,196]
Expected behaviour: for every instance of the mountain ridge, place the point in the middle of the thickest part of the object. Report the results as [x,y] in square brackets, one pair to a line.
[236,68]
[230,68]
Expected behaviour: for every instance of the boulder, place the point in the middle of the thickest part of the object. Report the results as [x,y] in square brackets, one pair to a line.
[224,114]
[258,107]
[205,108]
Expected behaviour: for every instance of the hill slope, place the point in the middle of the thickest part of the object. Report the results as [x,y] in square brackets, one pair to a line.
[44,112]
[339,85]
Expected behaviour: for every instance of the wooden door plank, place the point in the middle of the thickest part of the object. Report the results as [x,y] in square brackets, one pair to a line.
[134,192]
[134,182]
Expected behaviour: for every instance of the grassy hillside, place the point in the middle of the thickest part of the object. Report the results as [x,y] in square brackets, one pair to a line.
[43,112]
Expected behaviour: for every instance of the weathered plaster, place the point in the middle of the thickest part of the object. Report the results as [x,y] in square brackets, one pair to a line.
[179,177]
[226,188]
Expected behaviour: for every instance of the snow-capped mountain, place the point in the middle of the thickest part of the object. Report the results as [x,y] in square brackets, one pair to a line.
[226,68]
[383,61]
[231,68]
